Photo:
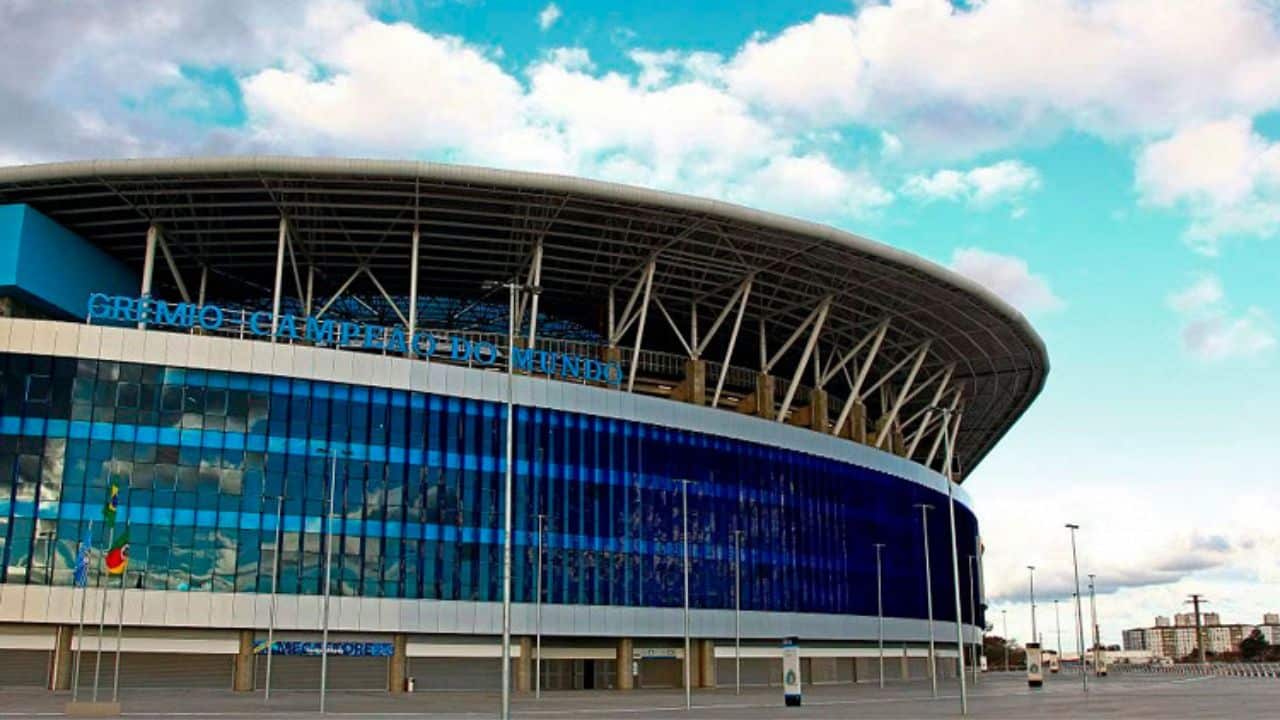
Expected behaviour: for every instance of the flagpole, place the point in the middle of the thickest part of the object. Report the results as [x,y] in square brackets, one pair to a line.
[84,598]
[124,576]
[102,617]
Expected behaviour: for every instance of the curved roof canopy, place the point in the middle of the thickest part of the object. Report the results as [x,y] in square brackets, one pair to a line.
[595,239]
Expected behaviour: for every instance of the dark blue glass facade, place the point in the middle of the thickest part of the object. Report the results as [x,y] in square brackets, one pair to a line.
[201,456]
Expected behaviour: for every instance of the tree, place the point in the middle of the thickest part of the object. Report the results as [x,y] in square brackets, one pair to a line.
[993,649]
[1254,647]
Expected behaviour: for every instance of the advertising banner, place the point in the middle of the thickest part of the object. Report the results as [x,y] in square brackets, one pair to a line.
[309,647]
[791,672]
[1035,667]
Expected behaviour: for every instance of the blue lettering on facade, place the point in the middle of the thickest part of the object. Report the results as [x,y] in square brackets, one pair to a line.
[423,344]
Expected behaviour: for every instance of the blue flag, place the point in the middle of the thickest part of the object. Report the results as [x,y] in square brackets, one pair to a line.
[82,560]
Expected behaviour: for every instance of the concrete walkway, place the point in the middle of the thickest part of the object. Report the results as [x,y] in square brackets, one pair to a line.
[997,696]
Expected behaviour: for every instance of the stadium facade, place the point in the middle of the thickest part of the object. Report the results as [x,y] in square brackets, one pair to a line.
[225,339]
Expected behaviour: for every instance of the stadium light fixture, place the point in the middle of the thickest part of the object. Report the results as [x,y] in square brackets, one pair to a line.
[1075,563]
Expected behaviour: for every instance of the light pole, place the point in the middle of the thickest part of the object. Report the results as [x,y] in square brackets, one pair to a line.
[506,515]
[880,612]
[1075,564]
[737,612]
[511,287]
[1035,637]
[275,578]
[1093,621]
[684,518]
[947,430]
[328,576]
[1004,618]
[537,668]
[928,593]
[1057,620]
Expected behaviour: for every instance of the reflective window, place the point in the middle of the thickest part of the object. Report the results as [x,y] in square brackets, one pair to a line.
[206,461]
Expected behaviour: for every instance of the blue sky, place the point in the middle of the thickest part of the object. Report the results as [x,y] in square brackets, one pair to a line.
[1111,167]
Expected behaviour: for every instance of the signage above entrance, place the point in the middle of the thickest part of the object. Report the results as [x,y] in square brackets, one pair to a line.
[351,335]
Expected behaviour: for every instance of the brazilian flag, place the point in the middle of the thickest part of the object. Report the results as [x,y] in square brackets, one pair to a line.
[112,503]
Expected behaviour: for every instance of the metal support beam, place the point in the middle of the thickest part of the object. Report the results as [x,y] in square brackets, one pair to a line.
[764,344]
[293,263]
[204,284]
[148,266]
[937,439]
[877,335]
[675,328]
[629,311]
[311,287]
[644,316]
[928,413]
[855,387]
[275,295]
[733,340]
[700,347]
[414,242]
[173,266]
[341,289]
[921,354]
[535,281]
[386,296]
[795,334]
[819,319]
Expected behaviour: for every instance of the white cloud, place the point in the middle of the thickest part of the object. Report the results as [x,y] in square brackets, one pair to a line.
[1220,337]
[1008,277]
[1204,292]
[1210,332]
[548,17]
[671,125]
[957,80]
[1223,173]
[1005,181]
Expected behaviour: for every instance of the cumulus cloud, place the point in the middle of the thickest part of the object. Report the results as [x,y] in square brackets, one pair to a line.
[1204,292]
[1005,181]
[548,17]
[1220,337]
[962,79]
[1226,175]
[1211,332]
[667,127]
[1008,277]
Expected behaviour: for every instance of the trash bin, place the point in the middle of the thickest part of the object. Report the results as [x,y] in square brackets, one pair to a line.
[409,684]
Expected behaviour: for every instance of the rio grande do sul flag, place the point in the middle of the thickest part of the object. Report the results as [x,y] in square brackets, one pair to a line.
[118,555]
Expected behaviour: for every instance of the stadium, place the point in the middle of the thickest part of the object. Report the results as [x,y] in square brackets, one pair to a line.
[223,340]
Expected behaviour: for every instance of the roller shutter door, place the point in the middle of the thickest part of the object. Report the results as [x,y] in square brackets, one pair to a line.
[291,672]
[24,668]
[458,673]
[159,670]
[755,671]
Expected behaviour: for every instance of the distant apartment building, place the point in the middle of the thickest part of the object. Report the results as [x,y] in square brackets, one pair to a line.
[1179,639]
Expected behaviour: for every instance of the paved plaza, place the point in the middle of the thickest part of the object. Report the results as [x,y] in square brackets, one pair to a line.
[996,696]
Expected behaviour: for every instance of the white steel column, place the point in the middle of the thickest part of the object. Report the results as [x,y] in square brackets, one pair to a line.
[535,281]
[275,296]
[928,413]
[204,284]
[413,286]
[733,339]
[148,266]
[804,358]
[173,267]
[855,389]
[644,315]
[902,394]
